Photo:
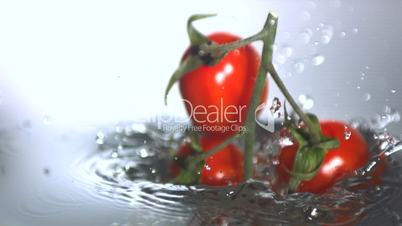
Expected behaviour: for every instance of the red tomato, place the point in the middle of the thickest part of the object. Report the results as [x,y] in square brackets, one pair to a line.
[217,97]
[338,163]
[221,169]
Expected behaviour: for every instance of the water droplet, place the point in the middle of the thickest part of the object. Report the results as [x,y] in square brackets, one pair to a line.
[306,16]
[231,194]
[143,153]
[367,96]
[326,34]
[47,120]
[153,171]
[115,154]
[280,59]
[100,138]
[355,30]
[276,105]
[286,51]
[272,22]
[325,39]
[342,34]
[305,36]
[362,76]
[393,91]
[347,133]
[318,59]
[311,213]
[207,167]
[388,116]
[306,102]
[298,67]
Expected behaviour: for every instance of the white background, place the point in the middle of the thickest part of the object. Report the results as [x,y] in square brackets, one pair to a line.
[91,62]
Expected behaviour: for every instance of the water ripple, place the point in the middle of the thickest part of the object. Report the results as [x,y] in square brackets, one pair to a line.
[130,168]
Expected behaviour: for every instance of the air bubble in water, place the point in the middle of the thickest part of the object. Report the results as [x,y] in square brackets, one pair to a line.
[342,34]
[298,67]
[318,59]
[355,30]
[306,102]
[347,133]
[393,91]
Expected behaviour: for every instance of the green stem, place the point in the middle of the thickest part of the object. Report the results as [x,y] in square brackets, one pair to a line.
[214,150]
[218,51]
[268,37]
[315,136]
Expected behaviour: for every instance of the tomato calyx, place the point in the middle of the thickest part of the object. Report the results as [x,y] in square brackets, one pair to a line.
[310,154]
[191,169]
[198,56]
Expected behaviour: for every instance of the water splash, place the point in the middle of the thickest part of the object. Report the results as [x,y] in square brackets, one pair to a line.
[138,176]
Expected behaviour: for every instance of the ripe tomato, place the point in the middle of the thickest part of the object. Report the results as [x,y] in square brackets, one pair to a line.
[221,169]
[217,97]
[338,163]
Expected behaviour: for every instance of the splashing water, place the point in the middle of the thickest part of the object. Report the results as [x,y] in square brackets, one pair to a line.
[138,176]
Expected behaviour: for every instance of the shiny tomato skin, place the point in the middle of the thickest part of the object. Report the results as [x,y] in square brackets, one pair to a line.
[338,163]
[221,169]
[224,89]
